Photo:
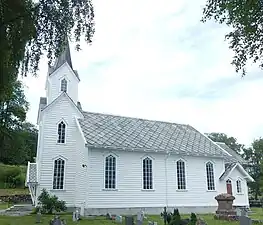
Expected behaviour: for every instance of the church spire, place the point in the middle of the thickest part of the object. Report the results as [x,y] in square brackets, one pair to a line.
[64,57]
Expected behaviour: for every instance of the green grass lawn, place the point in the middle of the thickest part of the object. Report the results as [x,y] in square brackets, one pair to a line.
[258,213]
[31,219]
[3,205]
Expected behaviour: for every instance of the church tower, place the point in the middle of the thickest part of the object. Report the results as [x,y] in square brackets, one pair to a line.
[62,77]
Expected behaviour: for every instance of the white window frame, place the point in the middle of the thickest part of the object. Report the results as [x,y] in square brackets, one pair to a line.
[185,175]
[61,84]
[104,171]
[64,175]
[152,161]
[206,174]
[57,139]
[239,180]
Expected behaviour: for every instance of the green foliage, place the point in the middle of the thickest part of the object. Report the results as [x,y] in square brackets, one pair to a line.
[50,203]
[245,19]
[255,157]
[193,219]
[29,28]
[11,176]
[176,218]
[18,139]
[231,142]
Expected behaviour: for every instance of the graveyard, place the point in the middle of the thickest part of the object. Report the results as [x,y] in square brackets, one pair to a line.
[257,213]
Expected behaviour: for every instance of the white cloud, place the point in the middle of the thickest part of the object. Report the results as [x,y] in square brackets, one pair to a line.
[158,61]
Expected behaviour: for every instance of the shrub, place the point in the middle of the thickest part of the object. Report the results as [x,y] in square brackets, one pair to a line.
[50,203]
[193,219]
[176,218]
[11,176]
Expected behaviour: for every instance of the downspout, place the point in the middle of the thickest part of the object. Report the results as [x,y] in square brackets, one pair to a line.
[166,179]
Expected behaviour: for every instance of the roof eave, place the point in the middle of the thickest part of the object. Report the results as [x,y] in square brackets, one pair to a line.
[150,150]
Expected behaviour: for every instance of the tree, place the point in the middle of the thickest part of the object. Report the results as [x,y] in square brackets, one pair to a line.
[246,19]
[18,139]
[29,28]
[255,156]
[231,142]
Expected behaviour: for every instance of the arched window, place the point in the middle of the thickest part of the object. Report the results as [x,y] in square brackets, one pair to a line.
[61,132]
[239,188]
[110,172]
[210,176]
[58,176]
[181,181]
[64,85]
[147,174]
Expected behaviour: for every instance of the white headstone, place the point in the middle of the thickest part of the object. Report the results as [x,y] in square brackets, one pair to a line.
[118,219]
[82,209]
[74,217]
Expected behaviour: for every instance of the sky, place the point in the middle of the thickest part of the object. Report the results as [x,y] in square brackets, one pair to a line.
[156,60]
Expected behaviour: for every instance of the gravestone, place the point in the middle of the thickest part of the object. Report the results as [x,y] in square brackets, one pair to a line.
[140,216]
[244,220]
[129,220]
[75,216]
[57,221]
[82,209]
[225,206]
[118,219]
[108,216]
[38,217]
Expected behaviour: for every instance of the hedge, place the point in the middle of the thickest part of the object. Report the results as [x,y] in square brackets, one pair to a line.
[12,176]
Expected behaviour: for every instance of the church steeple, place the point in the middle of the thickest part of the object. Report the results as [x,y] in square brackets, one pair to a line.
[62,77]
[64,57]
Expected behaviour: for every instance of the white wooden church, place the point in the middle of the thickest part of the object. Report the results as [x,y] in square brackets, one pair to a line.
[114,164]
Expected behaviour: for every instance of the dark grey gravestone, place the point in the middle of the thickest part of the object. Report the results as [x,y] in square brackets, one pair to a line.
[244,220]
[129,220]
[57,221]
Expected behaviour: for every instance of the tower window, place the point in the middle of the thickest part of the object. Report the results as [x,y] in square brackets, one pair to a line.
[61,132]
[64,84]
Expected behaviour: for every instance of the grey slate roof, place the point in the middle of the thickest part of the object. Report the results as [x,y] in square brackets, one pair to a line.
[228,168]
[235,157]
[118,132]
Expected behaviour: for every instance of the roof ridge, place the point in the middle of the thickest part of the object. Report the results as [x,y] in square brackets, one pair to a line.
[138,118]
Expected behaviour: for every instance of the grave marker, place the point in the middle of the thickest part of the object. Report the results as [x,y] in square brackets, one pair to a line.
[244,220]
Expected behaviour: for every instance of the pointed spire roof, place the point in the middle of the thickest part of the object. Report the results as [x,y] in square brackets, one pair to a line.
[64,57]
